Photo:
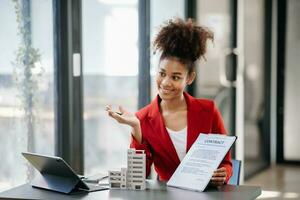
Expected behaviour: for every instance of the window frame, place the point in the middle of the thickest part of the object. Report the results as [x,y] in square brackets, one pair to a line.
[68,86]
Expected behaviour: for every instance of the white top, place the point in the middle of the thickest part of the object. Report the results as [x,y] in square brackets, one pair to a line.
[179,141]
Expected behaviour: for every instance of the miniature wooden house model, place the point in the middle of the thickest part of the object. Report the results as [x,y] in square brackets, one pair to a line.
[134,176]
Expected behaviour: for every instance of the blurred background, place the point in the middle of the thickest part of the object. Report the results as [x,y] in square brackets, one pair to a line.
[61,62]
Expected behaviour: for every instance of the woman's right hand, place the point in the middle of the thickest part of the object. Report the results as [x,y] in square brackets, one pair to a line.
[125,117]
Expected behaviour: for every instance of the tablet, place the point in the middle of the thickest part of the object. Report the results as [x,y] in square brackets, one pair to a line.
[55,174]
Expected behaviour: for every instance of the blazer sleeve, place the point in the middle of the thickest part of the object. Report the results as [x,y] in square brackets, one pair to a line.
[143,146]
[218,127]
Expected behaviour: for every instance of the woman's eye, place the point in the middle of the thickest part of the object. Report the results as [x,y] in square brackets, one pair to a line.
[176,78]
[162,74]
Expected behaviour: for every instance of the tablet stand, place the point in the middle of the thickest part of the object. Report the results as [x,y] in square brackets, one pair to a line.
[58,183]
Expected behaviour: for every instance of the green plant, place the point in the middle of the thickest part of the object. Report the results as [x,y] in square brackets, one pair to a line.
[27,70]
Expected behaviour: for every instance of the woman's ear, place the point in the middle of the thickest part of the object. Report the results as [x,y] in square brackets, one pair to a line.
[191,78]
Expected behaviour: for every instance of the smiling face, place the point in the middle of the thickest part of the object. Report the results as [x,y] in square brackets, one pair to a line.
[172,78]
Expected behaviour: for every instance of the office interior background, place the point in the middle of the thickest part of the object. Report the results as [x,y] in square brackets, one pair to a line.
[61,62]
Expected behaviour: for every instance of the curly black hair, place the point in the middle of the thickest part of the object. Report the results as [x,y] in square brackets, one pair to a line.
[183,40]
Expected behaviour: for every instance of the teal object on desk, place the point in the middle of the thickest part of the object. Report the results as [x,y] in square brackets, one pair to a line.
[236,171]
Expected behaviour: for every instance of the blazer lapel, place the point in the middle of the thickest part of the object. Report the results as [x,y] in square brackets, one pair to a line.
[158,125]
[193,120]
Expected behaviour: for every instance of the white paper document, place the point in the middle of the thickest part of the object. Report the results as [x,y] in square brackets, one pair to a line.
[203,158]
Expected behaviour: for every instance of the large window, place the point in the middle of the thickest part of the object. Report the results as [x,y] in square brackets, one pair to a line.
[291,129]
[255,103]
[26,86]
[110,68]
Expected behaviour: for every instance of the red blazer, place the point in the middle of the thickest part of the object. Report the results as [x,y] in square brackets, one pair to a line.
[202,117]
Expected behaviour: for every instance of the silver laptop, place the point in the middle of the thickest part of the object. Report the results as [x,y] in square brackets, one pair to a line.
[55,174]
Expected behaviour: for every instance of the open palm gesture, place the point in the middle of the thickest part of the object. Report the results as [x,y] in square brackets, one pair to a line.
[123,116]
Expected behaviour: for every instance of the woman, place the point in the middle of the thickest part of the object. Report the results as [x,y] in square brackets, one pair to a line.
[169,125]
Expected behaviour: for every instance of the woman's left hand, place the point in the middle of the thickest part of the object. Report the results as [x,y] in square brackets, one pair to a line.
[219,177]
